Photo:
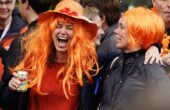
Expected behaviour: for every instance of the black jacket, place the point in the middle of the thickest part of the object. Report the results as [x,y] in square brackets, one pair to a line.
[13,100]
[15,29]
[90,93]
[133,85]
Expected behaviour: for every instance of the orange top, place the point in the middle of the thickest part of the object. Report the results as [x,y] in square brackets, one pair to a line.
[55,100]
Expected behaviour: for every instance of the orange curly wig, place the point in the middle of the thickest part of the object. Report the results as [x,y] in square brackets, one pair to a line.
[81,54]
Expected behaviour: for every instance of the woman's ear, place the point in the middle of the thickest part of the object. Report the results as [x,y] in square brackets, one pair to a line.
[103,18]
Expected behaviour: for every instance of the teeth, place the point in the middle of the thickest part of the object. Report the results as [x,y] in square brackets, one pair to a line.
[62,38]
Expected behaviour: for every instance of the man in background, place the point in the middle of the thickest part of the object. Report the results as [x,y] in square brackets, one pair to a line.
[11,25]
[162,7]
[30,11]
[109,13]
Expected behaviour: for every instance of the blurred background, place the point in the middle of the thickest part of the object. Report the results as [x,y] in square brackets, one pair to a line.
[133,3]
[130,3]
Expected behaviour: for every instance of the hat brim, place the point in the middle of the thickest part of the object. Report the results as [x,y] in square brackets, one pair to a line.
[92,27]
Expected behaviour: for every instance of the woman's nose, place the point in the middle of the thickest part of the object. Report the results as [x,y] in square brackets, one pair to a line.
[116,30]
[101,31]
[63,30]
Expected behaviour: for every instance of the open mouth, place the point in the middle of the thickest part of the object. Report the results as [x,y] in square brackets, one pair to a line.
[62,41]
[3,12]
[118,37]
[167,13]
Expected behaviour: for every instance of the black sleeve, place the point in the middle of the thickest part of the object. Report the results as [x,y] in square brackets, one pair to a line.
[8,98]
[3,52]
[106,58]
[15,53]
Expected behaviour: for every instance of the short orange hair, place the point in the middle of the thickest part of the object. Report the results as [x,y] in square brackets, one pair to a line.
[144,26]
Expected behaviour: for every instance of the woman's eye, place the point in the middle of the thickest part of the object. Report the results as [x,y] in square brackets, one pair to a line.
[70,27]
[59,26]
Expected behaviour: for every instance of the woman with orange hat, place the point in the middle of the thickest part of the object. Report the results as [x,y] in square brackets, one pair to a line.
[59,53]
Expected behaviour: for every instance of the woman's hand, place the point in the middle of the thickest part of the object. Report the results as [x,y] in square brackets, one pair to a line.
[14,83]
[152,55]
[166,59]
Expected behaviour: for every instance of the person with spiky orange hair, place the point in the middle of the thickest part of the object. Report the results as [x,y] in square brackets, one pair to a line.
[129,84]
[59,55]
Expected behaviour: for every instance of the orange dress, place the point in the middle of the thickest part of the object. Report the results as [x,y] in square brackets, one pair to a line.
[55,100]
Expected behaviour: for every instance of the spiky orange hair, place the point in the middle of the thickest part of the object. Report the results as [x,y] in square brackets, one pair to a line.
[144,26]
[39,47]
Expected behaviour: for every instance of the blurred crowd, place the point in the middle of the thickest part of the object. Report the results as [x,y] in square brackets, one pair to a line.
[84,55]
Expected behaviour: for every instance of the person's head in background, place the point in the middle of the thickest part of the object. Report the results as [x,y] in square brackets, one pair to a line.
[133,35]
[163,7]
[78,1]
[30,9]
[123,6]
[109,12]
[92,14]
[55,2]
[6,9]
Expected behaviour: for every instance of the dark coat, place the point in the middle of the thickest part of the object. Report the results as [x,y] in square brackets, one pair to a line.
[90,93]
[108,41]
[8,99]
[17,24]
[133,85]
[16,28]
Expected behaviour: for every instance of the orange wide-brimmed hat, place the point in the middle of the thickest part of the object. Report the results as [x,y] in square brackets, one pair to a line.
[70,8]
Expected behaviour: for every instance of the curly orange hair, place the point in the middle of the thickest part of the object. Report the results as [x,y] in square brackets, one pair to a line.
[145,27]
[39,48]
[165,45]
